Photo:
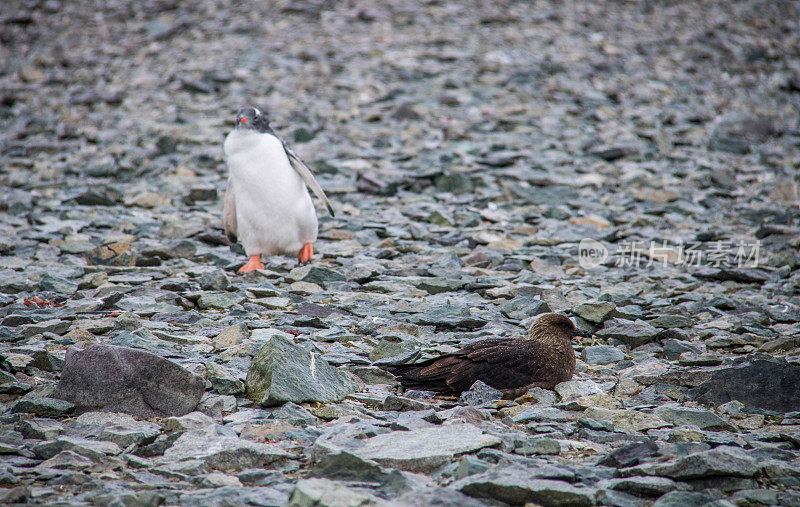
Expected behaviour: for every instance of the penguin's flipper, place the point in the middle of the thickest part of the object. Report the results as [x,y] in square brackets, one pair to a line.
[229,213]
[305,173]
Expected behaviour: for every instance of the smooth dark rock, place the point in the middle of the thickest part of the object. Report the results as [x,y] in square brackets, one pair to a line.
[121,379]
[630,455]
[763,383]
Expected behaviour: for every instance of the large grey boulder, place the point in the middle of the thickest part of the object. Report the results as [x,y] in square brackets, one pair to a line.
[283,371]
[120,379]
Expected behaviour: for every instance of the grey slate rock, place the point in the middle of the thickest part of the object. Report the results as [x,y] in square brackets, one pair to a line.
[762,383]
[440,497]
[425,449]
[324,492]
[222,451]
[538,445]
[673,348]
[514,485]
[422,450]
[52,283]
[630,455]
[632,333]
[40,428]
[602,354]
[44,407]
[345,466]
[15,495]
[522,307]
[94,449]
[234,495]
[595,312]
[671,321]
[721,461]
[673,333]
[784,313]
[214,280]
[616,498]
[480,394]
[122,429]
[449,316]
[469,465]
[119,379]
[682,499]
[222,380]
[283,371]
[738,133]
[315,274]
[644,485]
[687,416]
[293,412]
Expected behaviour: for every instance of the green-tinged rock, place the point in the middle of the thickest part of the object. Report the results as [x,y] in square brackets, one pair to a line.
[44,407]
[93,449]
[52,283]
[630,420]
[219,300]
[596,312]
[283,371]
[314,274]
[686,416]
[222,380]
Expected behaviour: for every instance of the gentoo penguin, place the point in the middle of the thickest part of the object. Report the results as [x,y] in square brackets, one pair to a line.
[543,358]
[267,205]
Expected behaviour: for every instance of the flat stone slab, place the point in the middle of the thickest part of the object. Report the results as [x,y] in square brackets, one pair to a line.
[515,486]
[420,450]
[222,452]
[629,420]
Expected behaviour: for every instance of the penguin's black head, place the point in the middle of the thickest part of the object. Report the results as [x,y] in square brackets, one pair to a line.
[252,118]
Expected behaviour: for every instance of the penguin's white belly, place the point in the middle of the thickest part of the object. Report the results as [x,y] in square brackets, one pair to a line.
[274,212]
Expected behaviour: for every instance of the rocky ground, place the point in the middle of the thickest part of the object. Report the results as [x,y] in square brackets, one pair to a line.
[468,148]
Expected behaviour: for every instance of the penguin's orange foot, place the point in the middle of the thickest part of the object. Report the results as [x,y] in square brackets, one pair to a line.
[253,263]
[306,253]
